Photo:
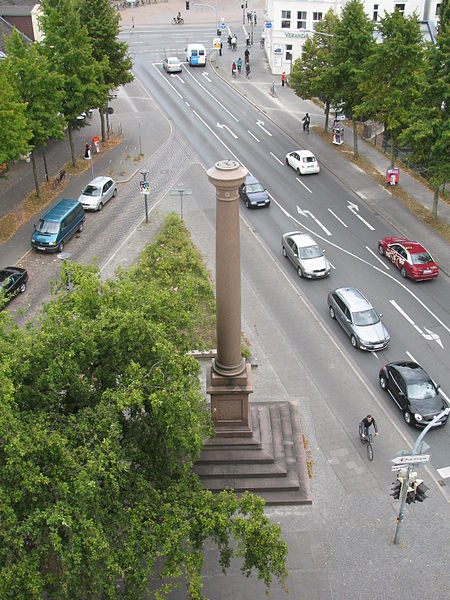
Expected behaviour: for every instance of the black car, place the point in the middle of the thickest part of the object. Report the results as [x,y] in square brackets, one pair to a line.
[414,392]
[253,193]
[12,281]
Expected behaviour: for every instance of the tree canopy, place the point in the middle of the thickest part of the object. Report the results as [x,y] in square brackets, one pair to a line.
[102,417]
[15,130]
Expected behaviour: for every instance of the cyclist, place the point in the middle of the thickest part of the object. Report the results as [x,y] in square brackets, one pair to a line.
[365,425]
[306,121]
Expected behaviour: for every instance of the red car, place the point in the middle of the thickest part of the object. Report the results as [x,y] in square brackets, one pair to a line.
[410,257]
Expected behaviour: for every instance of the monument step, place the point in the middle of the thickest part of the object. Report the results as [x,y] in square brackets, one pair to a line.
[208,471]
[231,455]
[251,484]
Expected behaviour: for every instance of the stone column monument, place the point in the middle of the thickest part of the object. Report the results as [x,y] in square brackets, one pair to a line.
[229,380]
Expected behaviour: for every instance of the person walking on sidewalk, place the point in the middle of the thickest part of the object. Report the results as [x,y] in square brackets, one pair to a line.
[220,49]
[234,43]
[247,56]
[247,70]
[239,65]
[254,17]
[283,78]
[233,70]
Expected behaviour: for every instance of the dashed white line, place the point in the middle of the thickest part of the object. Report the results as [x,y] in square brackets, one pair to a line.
[305,186]
[209,94]
[253,136]
[444,472]
[375,255]
[336,217]
[276,158]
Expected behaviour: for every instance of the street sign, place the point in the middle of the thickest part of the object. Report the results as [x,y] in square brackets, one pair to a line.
[268,25]
[410,459]
[397,467]
[223,26]
[144,187]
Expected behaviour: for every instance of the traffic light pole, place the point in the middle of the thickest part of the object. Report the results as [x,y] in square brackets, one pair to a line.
[408,473]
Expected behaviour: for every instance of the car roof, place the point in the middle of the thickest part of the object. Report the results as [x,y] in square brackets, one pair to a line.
[59,211]
[410,371]
[305,153]
[412,247]
[302,240]
[354,298]
[98,181]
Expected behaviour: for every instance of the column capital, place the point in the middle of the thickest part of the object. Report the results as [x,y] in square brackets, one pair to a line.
[226,176]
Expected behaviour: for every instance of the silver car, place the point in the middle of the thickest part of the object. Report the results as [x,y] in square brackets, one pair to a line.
[97,193]
[358,319]
[304,253]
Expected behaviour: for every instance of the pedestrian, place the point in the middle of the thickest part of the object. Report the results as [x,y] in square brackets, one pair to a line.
[229,41]
[249,17]
[234,43]
[187,4]
[247,70]
[247,56]
[233,70]
[239,65]
[254,17]
[220,48]
[283,78]
[247,39]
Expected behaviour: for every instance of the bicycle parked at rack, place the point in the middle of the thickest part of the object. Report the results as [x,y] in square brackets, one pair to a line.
[367,440]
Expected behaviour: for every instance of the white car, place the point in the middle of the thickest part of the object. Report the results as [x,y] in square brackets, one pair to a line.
[172,64]
[97,193]
[303,161]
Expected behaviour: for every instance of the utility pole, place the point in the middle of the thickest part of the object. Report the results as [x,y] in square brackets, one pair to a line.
[144,190]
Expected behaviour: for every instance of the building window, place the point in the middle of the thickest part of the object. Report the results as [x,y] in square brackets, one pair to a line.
[317,16]
[289,52]
[375,12]
[301,19]
[285,19]
[438,8]
[400,8]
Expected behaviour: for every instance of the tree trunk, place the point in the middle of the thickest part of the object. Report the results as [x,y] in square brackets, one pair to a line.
[72,147]
[102,123]
[355,138]
[435,201]
[327,115]
[35,177]
[392,151]
[45,163]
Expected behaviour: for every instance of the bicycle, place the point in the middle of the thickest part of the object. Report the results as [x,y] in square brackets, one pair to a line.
[59,179]
[367,440]
[306,128]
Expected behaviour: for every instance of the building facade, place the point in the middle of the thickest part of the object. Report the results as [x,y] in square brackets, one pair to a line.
[291,22]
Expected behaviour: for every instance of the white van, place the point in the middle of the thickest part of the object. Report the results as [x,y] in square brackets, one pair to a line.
[196,55]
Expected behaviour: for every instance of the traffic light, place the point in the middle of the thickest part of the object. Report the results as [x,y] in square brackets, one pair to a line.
[411,495]
[397,487]
[421,490]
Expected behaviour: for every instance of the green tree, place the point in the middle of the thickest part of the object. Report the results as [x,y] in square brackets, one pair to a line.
[428,133]
[391,74]
[352,44]
[68,47]
[102,418]
[39,88]
[102,22]
[15,130]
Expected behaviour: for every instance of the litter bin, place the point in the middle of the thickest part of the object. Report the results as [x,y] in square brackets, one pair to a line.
[392,176]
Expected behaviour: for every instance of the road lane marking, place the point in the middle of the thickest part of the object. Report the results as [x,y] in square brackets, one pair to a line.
[308,213]
[276,158]
[209,94]
[444,472]
[305,186]
[216,136]
[223,126]
[336,217]
[354,208]
[176,75]
[261,124]
[205,75]
[375,255]
[254,136]
[430,336]
[167,81]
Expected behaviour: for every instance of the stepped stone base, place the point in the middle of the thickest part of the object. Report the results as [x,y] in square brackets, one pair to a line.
[271,463]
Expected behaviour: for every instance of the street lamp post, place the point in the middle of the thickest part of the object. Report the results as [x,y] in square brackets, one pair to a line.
[181,192]
[132,13]
[144,174]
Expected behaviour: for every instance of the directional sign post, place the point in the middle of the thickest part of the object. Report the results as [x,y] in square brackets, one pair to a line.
[410,459]
[180,192]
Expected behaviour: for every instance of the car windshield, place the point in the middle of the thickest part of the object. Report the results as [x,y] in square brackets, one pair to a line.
[365,317]
[421,390]
[173,61]
[308,159]
[47,226]
[421,258]
[253,188]
[91,190]
[310,252]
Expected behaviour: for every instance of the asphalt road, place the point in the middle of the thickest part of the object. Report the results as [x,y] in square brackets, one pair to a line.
[218,123]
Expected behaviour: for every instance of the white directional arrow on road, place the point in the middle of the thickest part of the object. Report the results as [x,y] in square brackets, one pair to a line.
[176,75]
[205,75]
[223,126]
[354,208]
[430,336]
[261,124]
[308,213]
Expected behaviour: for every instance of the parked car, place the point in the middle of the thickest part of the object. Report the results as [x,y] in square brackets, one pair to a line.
[58,225]
[97,193]
[305,254]
[414,392]
[13,280]
[358,319]
[253,193]
[172,64]
[410,257]
[303,161]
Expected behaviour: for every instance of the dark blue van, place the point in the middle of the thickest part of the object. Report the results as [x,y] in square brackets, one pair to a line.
[58,225]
